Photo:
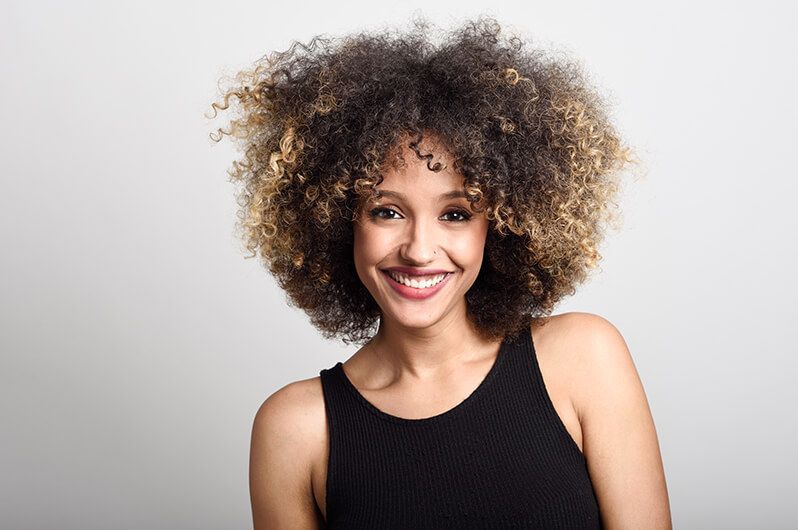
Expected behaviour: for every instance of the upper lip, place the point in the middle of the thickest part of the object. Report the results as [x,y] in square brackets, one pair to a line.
[415,271]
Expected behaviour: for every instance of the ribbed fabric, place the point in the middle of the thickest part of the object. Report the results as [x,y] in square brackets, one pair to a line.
[502,458]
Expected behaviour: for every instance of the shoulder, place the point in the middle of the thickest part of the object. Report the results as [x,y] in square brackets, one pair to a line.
[295,405]
[591,347]
[619,437]
[287,430]
[588,347]
[291,418]
[578,328]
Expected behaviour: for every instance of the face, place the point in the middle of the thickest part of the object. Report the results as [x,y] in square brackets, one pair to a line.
[418,248]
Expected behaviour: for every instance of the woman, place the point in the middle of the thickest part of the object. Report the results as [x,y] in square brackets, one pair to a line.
[449,196]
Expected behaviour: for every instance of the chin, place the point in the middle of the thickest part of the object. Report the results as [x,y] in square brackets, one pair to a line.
[412,321]
[416,315]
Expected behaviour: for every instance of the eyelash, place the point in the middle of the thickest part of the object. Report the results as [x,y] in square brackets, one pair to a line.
[375,214]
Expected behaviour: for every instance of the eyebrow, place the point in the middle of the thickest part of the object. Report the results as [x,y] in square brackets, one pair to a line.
[456,194]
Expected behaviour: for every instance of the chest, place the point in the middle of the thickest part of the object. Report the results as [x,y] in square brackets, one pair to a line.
[561,415]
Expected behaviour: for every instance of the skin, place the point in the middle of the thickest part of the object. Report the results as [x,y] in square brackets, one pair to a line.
[426,359]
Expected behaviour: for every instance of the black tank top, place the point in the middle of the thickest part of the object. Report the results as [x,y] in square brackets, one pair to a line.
[501,458]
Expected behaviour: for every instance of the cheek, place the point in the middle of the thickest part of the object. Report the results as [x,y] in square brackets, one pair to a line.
[367,249]
[470,247]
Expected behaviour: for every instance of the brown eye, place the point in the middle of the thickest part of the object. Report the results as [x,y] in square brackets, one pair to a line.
[460,216]
[376,213]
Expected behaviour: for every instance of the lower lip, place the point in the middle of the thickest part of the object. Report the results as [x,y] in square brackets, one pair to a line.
[415,293]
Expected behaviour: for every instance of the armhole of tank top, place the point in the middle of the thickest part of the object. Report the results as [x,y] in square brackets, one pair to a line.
[327,377]
[549,404]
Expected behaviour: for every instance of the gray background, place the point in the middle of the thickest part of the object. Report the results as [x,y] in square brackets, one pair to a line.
[137,342]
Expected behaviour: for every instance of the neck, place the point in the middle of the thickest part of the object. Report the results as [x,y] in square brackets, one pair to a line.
[427,353]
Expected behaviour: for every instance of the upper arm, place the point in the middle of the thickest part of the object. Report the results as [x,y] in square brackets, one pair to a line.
[619,437]
[279,465]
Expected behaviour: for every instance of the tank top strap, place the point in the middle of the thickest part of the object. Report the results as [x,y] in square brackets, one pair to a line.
[526,390]
[335,392]
[345,407]
[343,410]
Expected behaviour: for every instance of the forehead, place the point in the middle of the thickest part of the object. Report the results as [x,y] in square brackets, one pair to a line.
[433,172]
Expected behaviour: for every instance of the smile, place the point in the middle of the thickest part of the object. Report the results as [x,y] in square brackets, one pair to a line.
[416,287]
[419,282]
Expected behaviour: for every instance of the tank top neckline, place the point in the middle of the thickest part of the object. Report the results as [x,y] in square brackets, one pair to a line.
[450,413]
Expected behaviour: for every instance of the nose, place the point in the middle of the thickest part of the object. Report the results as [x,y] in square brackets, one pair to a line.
[420,244]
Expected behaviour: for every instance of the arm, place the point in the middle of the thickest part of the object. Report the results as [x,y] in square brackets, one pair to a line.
[619,437]
[279,467]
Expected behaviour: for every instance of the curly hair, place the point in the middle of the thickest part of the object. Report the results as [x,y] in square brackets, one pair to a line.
[317,124]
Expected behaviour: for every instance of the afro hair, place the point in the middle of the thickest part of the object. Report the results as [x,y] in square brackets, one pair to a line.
[533,140]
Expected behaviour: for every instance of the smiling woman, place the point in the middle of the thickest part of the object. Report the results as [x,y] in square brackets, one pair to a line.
[433,203]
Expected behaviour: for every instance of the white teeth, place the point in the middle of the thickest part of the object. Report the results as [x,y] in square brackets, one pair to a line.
[427,282]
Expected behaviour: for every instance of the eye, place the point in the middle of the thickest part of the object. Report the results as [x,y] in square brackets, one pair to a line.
[461,215]
[376,213]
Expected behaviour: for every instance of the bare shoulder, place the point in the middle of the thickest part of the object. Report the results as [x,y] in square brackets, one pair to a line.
[576,326]
[620,441]
[589,346]
[295,409]
[595,355]
[287,431]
